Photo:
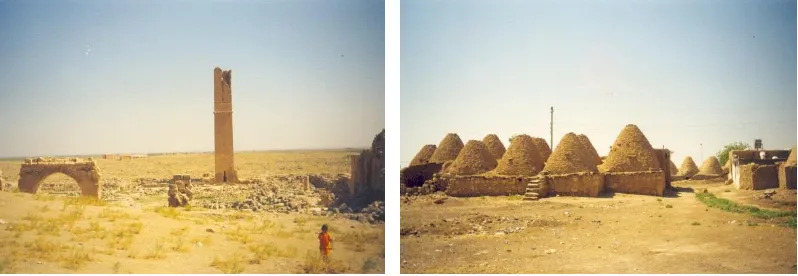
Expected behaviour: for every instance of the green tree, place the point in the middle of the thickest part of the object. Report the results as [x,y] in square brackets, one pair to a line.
[723,154]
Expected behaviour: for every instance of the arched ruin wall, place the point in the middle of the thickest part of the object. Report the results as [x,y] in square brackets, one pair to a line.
[85,174]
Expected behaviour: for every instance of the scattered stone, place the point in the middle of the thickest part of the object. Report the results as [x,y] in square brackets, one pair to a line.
[441,200]
[550,251]
[210,230]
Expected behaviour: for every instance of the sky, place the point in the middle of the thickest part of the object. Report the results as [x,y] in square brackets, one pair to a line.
[692,75]
[93,77]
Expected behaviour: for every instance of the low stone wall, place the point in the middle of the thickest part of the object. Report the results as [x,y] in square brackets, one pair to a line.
[415,176]
[482,185]
[706,176]
[577,184]
[641,183]
[758,177]
[787,176]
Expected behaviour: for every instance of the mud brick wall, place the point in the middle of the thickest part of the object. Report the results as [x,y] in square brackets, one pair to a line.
[664,158]
[758,177]
[480,185]
[787,176]
[578,184]
[640,183]
[415,176]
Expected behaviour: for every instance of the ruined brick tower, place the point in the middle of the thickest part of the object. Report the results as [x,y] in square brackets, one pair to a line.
[223,126]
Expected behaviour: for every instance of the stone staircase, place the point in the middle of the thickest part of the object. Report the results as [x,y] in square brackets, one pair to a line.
[533,188]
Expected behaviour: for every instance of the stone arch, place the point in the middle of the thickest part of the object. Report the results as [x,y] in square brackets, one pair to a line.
[85,173]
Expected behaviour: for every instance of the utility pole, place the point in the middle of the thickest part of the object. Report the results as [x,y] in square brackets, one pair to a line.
[551,129]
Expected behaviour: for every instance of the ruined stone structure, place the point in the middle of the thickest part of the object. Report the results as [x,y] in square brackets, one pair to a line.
[179,194]
[367,175]
[181,177]
[223,126]
[84,172]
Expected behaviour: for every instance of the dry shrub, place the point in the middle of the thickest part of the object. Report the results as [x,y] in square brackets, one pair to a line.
[711,166]
[169,212]
[473,159]
[688,167]
[569,157]
[234,264]
[523,157]
[265,251]
[76,259]
[495,146]
[631,152]
[448,149]
[314,264]
[424,155]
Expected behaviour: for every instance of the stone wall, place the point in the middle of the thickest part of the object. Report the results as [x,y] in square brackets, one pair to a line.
[577,184]
[85,173]
[481,185]
[758,177]
[787,176]
[706,176]
[641,183]
[415,176]
[368,172]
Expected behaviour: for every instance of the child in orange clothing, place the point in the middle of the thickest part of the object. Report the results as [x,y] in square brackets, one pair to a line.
[325,243]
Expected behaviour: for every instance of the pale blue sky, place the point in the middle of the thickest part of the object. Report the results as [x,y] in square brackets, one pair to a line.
[306,74]
[685,72]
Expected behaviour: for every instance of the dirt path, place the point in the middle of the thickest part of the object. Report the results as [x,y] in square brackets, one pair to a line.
[618,234]
[48,234]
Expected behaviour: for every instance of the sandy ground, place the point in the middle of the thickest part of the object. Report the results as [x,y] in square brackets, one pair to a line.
[618,233]
[46,233]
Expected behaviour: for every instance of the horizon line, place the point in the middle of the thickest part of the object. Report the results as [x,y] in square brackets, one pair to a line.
[10,158]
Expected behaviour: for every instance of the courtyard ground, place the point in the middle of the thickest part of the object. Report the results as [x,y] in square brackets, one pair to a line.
[616,233]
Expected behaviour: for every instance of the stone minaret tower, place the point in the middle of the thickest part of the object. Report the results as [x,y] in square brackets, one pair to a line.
[223,126]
